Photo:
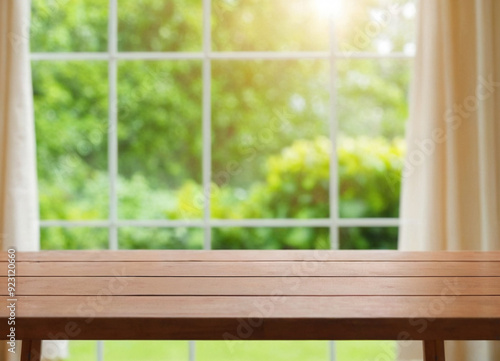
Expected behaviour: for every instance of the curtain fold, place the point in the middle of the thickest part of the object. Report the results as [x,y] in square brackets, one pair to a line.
[451,175]
[19,223]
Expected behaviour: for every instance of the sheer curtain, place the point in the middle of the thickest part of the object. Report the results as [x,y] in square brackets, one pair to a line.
[451,175]
[19,223]
[18,185]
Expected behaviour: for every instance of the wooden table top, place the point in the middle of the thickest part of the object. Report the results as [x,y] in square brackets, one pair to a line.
[254,295]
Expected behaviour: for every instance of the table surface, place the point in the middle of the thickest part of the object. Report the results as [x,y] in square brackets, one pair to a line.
[255,295]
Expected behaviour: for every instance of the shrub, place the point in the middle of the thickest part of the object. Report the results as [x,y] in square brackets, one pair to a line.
[296,186]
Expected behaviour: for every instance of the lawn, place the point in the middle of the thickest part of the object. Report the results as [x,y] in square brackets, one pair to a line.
[234,351]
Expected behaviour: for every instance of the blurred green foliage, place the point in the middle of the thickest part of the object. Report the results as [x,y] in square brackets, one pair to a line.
[152,25]
[74,238]
[261,108]
[368,238]
[299,27]
[160,238]
[372,97]
[270,120]
[159,112]
[296,186]
[69,25]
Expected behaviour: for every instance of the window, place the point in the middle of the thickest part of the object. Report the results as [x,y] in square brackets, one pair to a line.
[215,124]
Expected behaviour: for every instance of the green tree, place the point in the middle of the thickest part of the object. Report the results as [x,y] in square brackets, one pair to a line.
[260,110]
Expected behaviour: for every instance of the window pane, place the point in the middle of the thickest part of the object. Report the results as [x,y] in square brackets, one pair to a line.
[160,238]
[160,140]
[365,350]
[270,238]
[372,109]
[262,350]
[146,350]
[380,26]
[159,25]
[72,132]
[368,238]
[277,25]
[57,238]
[270,153]
[76,25]
[373,97]
[82,350]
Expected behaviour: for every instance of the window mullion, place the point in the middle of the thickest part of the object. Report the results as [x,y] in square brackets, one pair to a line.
[113,122]
[334,191]
[112,136]
[207,123]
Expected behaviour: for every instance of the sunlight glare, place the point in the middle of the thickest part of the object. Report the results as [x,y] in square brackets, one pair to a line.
[328,8]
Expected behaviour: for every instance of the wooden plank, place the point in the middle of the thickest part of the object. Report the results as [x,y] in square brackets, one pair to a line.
[256,286]
[254,255]
[417,310]
[252,329]
[260,269]
[433,350]
[277,304]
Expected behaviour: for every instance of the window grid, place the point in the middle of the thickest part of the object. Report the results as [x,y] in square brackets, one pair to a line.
[333,126]
[207,123]
[317,222]
[333,181]
[207,55]
[113,123]
[216,55]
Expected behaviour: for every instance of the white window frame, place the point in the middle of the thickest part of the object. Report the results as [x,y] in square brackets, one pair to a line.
[112,56]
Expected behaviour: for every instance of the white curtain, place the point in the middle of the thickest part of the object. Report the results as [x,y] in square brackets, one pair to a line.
[18,184]
[19,221]
[451,175]
[18,181]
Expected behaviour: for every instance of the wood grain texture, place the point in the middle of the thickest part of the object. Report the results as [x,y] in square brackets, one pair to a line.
[255,286]
[255,295]
[253,255]
[261,269]
[298,307]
